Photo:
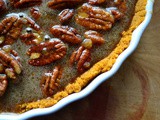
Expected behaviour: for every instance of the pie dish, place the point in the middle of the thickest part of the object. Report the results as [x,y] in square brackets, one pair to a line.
[111,63]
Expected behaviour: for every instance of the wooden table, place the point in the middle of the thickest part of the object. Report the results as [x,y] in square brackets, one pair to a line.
[133,93]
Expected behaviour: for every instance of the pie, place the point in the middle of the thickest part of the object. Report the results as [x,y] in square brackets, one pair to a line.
[50,49]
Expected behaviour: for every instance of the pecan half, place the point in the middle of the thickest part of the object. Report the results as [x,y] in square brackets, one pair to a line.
[96,2]
[67,34]
[94,36]
[82,58]
[35,13]
[11,62]
[115,12]
[46,52]
[11,27]
[25,3]
[66,15]
[2,6]
[59,4]
[94,18]
[3,84]
[50,81]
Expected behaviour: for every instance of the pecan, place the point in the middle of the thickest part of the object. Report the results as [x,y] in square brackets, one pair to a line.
[30,38]
[2,6]
[66,33]
[96,2]
[82,58]
[10,60]
[25,3]
[11,63]
[47,52]
[35,13]
[3,84]
[66,15]
[94,36]
[11,27]
[31,23]
[50,81]
[94,18]
[59,4]
[115,12]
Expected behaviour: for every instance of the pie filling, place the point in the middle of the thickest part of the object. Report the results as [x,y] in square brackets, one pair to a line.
[52,48]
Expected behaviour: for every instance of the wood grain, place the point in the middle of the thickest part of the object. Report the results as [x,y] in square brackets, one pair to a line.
[133,93]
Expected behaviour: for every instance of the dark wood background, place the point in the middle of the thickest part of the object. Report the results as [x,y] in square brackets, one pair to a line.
[133,93]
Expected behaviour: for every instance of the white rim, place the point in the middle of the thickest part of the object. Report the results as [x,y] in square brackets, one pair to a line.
[96,82]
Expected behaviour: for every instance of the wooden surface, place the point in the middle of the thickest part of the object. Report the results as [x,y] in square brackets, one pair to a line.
[133,93]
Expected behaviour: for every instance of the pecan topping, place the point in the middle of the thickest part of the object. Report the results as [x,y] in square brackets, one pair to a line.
[96,2]
[50,81]
[67,34]
[46,52]
[59,4]
[25,3]
[94,36]
[82,58]
[3,84]
[10,62]
[66,15]
[35,13]
[2,6]
[94,18]
[11,27]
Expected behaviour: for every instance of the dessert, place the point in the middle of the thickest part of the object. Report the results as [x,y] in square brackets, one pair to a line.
[50,49]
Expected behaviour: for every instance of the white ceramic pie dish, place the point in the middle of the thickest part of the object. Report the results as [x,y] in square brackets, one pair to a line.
[97,81]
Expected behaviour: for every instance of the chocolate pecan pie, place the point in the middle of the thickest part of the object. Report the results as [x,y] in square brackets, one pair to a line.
[50,49]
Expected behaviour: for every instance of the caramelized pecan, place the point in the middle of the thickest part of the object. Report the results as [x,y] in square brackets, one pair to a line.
[25,3]
[50,81]
[11,27]
[94,36]
[115,12]
[3,84]
[82,58]
[67,34]
[94,18]
[35,13]
[66,15]
[96,2]
[58,4]
[2,6]
[46,52]
[10,61]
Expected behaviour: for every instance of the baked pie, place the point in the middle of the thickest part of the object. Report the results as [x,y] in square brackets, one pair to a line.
[50,49]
